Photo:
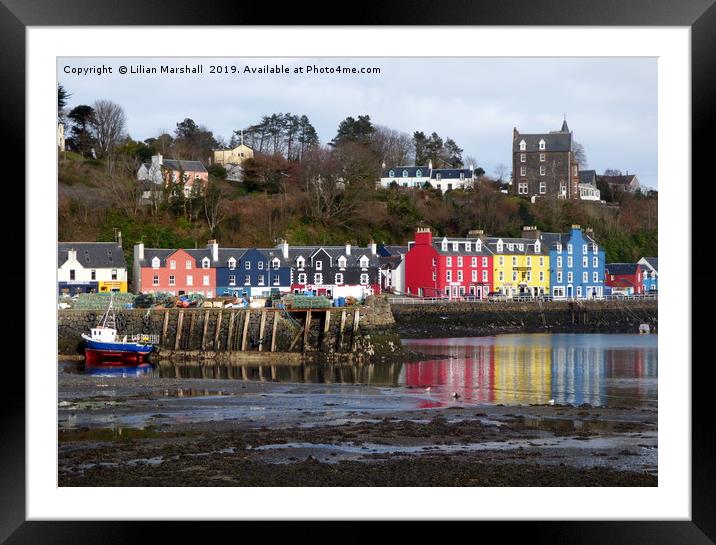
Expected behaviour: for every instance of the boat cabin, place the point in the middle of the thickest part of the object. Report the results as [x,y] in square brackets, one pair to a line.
[103,334]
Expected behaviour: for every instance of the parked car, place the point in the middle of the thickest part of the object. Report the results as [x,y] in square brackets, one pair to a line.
[496,296]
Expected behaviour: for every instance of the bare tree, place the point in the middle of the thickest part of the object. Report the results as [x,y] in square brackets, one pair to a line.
[501,172]
[214,205]
[108,127]
[579,155]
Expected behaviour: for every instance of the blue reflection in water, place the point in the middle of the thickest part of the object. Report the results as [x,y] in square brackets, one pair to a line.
[612,370]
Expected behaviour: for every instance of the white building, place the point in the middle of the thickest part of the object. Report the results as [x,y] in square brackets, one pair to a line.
[444,179]
[84,267]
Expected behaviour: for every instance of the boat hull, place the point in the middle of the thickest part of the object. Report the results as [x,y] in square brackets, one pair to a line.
[115,357]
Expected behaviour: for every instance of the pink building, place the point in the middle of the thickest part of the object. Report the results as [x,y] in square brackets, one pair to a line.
[179,272]
[171,171]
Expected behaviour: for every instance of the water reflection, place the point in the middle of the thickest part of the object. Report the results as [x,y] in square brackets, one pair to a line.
[613,370]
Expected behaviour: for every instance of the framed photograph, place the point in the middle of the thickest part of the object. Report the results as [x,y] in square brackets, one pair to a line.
[410,266]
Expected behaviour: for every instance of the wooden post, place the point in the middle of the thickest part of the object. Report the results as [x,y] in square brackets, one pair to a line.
[305,330]
[340,331]
[247,317]
[217,332]
[262,325]
[191,328]
[326,327]
[180,322]
[230,335]
[206,327]
[273,332]
[164,327]
[356,318]
[273,373]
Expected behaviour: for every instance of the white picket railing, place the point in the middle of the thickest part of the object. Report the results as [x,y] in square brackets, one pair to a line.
[516,298]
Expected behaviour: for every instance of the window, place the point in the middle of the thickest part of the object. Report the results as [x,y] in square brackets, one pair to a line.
[558,291]
[468,246]
[514,276]
[595,277]
[188,264]
[448,261]
[318,278]
[232,263]
[405,173]
[484,262]
[594,248]
[93,275]
[155,280]
[542,157]
[569,262]
[522,188]
[459,276]
[474,276]
[595,262]
[559,261]
[319,265]
[541,144]
[559,247]
[521,247]
[541,276]
[459,261]
[474,262]
[569,248]
[462,290]
[232,280]
[569,276]
[276,263]
[484,275]
[260,265]
[339,278]
[300,263]
[172,280]
[499,247]
[523,171]
[514,261]
[363,279]
[276,280]
[391,174]
[501,276]
[342,262]
[541,261]
[261,280]
[542,170]
[584,248]
[443,245]
[523,157]
[205,263]
[247,279]
[448,276]
[528,276]
[435,275]
[579,291]
[529,261]
[155,263]
[559,276]
[435,262]
[302,278]
[172,264]
[438,176]
[189,280]
[501,260]
[364,262]
[523,145]
[418,173]
[543,188]
[585,277]
[454,246]
[206,279]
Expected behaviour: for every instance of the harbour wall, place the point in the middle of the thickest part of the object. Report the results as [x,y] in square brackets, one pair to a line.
[465,319]
[365,333]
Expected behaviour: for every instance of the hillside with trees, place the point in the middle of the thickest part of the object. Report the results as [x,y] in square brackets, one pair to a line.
[309,193]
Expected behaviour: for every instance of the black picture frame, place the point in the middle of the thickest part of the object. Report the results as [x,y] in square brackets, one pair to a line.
[16,15]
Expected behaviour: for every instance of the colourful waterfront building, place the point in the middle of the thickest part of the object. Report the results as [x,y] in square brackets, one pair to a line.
[576,264]
[520,265]
[650,278]
[177,272]
[448,266]
[623,278]
[91,267]
[253,272]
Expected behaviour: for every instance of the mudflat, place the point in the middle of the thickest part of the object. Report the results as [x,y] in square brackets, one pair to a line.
[114,431]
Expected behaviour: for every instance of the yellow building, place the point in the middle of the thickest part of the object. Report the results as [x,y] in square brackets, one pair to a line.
[520,266]
[235,156]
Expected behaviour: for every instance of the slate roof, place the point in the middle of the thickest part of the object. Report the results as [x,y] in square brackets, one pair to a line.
[624,179]
[398,172]
[554,141]
[163,253]
[621,268]
[186,166]
[588,177]
[528,247]
[621,283]
[451,173]
[93,255]
[653,262]
[437,244]
[389,250]
[334,252]
[550,240]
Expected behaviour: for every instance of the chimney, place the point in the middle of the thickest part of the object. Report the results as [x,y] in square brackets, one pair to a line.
[531,232]
[138,252]
[72,255]
[214,247]
[515,133]
[157,160]
[430,164]
[475,233]
[119,238]
[471,167]
[283,245]
[383,165]
[424,236]
[575,226]
[373,247]
[348,248]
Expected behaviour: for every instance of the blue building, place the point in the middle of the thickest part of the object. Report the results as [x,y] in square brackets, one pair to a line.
[650,274]
[576,264]
[253,272]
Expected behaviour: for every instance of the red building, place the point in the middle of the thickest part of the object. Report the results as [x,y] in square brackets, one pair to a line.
[179,272]
[452,267]
[624,278]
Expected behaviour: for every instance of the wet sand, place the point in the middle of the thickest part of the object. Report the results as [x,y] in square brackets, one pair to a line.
[117,431]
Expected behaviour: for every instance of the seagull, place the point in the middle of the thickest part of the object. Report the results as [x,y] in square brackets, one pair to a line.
[550,402]
[428,389]
[456,395]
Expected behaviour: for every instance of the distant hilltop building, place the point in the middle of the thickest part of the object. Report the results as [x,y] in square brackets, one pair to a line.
[588,186]
[444,179]
[168,171]
[622,182]
[234,156]
[544,165]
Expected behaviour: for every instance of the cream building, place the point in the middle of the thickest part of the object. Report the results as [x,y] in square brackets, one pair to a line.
[235,156]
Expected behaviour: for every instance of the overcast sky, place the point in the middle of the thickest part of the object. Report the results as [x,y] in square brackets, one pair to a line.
[610,103]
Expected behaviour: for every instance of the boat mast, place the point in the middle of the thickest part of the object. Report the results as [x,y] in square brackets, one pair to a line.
[108,319]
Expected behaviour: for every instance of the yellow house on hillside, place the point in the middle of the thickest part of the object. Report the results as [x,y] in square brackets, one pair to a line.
[520,266]
[235,156]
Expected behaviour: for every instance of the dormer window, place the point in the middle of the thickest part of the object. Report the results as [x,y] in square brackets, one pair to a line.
[468,246]
[300,263]
[462,175]
[405,173]
[205,263]
[444,246]
[438,176]
[276,263]
[478,246]
[541,144]
[342,262]
[319,265]
[418,173]
[511,247]
[155,263]
[260,265]
[232,263]
[559,247]
[454,246]
[364,262]
[247,265]
[538,247]
[523,145]
[391,174]
[500,246]
[521,247]
[595,248]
